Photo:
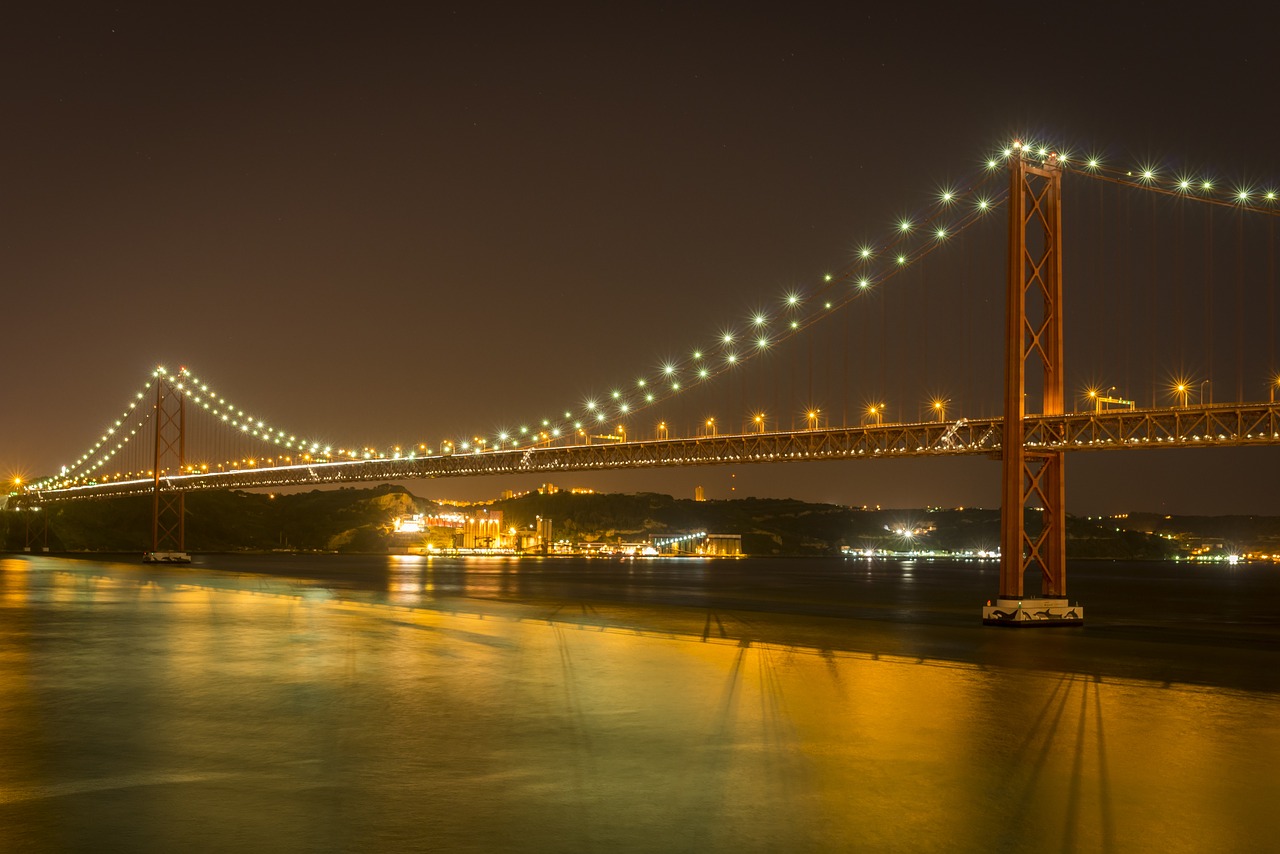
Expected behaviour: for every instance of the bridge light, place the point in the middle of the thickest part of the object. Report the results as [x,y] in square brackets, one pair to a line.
[759,320]
[864,253]
[904,226]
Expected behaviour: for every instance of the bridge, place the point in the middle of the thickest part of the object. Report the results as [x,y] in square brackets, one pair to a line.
[1221,425]
[152,448]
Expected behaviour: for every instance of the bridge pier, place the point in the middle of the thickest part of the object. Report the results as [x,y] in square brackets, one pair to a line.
[1033,613]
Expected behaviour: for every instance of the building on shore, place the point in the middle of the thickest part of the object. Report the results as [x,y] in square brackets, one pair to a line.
[700,543]
[479,530]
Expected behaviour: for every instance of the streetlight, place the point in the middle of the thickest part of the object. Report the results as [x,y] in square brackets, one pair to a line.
[940,408]
[711,427]
[1275,384]
[662,430]
[758,418]
[812,416]
[1106,395]
[1183,390]
[1202,385]
[876,411]
[622,431]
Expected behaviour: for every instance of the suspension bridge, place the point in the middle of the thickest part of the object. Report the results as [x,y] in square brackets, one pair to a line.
[177,434]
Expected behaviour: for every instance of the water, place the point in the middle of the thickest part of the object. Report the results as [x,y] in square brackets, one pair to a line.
[280,703]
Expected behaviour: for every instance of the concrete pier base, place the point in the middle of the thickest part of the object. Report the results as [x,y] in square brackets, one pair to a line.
[1032,613]
[166,557]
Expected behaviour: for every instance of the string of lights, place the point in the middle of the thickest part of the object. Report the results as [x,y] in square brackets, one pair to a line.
[912,238]
[950,211]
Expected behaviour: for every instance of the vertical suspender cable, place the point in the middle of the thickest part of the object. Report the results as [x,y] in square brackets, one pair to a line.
[844,384]
[1240,305]
[1271,300]
[1153,305]
[1126,288]
[1208,296]
[1179,334]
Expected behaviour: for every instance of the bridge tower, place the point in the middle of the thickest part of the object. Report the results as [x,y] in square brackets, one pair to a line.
[168,508]
[1033,479]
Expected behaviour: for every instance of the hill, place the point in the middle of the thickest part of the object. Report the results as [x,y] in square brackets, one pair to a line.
[359,520]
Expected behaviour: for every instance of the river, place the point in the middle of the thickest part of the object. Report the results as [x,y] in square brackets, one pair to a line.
[342,703]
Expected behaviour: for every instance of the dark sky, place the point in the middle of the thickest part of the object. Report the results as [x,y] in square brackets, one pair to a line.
[388,226]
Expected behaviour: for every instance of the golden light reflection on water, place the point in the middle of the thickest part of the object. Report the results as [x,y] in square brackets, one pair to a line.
[278,710]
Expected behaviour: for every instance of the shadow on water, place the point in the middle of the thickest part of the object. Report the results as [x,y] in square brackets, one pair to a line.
[1162,623]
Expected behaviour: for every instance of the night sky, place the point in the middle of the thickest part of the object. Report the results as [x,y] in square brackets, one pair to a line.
[388,226]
